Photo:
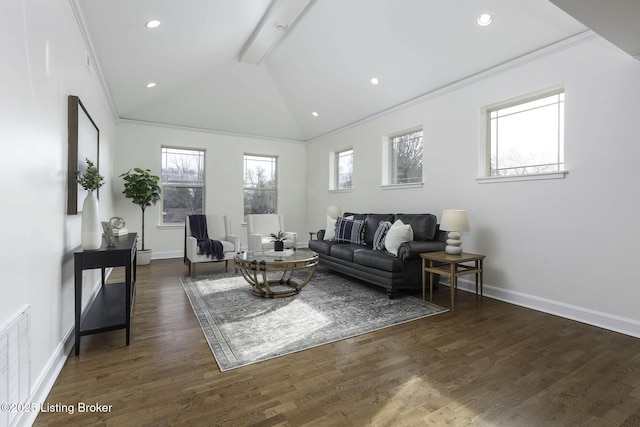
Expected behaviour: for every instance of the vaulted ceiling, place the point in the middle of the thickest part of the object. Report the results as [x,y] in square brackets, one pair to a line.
[262,67]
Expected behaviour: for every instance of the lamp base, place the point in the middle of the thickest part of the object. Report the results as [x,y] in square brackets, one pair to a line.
[454,243]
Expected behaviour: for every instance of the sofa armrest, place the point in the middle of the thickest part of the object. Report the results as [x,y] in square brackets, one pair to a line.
[191,247]
[293,236]
[409,250]
[235,240]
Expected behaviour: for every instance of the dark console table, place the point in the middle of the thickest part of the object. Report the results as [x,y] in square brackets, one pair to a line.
[111,308]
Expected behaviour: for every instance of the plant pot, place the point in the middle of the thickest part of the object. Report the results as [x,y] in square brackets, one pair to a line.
[91,228]
[278,246]
[143,257]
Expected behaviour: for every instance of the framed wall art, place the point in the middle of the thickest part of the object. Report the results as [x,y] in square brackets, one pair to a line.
[84,143]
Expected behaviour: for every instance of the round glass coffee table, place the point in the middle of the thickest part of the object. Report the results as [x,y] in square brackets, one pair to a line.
[255,267]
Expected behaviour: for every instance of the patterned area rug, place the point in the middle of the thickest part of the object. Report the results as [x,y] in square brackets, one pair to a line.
[243,329]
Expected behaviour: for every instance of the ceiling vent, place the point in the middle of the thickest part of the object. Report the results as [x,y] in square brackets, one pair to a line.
[273,26]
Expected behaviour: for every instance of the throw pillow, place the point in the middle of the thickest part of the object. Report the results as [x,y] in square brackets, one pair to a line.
[350,231]
[330,231]
[381,233]
[397,235]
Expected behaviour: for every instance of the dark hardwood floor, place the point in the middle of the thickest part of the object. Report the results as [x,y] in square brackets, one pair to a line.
[487,364]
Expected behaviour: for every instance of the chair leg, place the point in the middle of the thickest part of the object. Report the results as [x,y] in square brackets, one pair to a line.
[192,269]
[226,265]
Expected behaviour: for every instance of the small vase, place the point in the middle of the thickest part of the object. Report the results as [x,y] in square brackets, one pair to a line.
[278,246]
[91,231]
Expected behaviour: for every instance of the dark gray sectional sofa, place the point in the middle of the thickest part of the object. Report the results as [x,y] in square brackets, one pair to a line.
[379,267]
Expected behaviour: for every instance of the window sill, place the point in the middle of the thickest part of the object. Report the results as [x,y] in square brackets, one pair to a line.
[341,190]
[170,226]
[516,178]
[402,186]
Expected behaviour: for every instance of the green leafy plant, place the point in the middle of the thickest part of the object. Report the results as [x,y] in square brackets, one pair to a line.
[279,237]
[142,188]
[90,180]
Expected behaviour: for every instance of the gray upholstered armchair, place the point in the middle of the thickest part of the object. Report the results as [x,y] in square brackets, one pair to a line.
[218,228]
[260,227]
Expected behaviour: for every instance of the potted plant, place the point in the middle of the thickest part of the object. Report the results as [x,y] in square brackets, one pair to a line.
[278,240]
[91,228]
[142,188]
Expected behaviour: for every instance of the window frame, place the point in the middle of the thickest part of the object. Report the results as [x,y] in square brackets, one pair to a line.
[388,155]
[334,170]
[274,188]
[202,185]
[485,147]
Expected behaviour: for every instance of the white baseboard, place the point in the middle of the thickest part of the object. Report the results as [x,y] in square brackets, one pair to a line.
[600,319]
[167,255]
[43,385]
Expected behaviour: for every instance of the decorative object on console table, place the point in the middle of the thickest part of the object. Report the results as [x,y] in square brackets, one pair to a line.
[454,221]
[91,229]
[278,240]
[109,238]
[118,226]
[143,190]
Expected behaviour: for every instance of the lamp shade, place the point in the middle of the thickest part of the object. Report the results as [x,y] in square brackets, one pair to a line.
[334,211]
[454,220]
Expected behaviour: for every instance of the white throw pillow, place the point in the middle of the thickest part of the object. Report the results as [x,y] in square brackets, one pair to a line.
[330,231]
[397,235]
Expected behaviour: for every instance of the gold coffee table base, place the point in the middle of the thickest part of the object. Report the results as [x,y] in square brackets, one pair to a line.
[254,267]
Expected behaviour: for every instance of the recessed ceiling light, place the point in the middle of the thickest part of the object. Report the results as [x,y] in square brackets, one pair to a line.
[152,23]
[314,114]
[150,85]
[485,19]
[374,80]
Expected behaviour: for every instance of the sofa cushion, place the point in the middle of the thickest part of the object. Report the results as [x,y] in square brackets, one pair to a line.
[424,226]
[380,260]
[371,225]
[321,246]
[349,231]
[381,233]
[397,235]
[344,250]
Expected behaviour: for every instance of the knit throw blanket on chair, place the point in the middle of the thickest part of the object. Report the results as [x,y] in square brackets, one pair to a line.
[206,246]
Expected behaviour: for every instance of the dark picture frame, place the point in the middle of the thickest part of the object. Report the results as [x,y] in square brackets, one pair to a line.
[84,143]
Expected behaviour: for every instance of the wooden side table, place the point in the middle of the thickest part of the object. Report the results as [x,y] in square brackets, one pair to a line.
[452,266]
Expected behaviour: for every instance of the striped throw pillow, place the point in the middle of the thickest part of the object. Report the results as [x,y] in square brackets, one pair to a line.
[350,231]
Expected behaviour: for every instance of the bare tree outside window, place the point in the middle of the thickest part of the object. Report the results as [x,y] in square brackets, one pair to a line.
[406,158]
[260,184]
[182,181]
[344,171]
[527,137]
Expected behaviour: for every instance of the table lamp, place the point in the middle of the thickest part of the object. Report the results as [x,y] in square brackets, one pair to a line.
[334,211]
[454,221]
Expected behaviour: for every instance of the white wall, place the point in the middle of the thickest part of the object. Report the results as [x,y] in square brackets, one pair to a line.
[567,246]
[43,61]
[139,145]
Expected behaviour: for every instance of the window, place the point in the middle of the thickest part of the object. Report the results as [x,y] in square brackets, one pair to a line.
[526,137]
[342,170]
[260,184]
[182,184]
[404,158]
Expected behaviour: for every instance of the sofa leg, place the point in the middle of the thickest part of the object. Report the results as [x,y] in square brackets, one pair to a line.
[392,293]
